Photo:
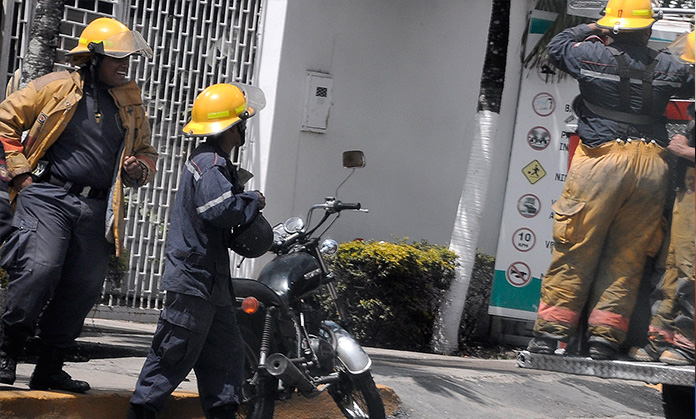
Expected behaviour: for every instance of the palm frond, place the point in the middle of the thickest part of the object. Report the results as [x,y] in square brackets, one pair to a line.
[563,20]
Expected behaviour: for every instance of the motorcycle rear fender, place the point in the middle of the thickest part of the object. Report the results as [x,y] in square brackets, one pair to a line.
[349,351]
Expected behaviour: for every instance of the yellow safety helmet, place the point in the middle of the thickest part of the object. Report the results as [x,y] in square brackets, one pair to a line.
[683,47]
[108,36]
[221,106]
[627,15]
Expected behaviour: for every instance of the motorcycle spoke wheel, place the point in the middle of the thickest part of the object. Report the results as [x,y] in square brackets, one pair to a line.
[258,391]
[357,397]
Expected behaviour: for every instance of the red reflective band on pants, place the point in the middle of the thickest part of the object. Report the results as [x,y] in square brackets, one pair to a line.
[607,318]
[681,341]
[557,314]
[667,335]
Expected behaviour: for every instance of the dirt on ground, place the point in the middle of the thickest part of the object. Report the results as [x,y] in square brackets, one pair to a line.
[486,350]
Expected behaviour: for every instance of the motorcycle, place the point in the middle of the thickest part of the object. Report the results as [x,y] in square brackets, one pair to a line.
[289,347]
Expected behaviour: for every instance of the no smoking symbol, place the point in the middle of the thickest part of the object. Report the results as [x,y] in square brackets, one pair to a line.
[518,274]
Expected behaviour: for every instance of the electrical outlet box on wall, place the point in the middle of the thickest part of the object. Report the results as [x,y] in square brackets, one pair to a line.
[315,114]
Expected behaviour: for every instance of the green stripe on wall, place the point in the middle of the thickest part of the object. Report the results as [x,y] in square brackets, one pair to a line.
[539,25]
[506,296]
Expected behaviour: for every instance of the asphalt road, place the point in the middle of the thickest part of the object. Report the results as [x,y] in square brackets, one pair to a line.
[441,387]
[428,386]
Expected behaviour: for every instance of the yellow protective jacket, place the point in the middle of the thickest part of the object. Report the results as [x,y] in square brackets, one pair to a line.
[45,107]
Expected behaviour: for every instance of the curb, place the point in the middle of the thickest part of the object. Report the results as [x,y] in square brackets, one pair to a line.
[105,404]
[96,404]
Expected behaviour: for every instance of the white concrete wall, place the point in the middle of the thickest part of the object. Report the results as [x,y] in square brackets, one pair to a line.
[406,77]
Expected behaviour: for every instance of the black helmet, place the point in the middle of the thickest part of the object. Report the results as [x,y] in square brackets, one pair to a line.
[253,239]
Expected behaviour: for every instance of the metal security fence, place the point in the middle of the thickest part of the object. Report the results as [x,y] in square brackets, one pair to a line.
[195,44]
[17,20]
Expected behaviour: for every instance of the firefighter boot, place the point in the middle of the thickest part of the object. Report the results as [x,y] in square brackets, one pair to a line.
[649,353]
[602,350]
[222,412]
[542,345]
[677,356]
[49,374]
[138,411]
[10,351]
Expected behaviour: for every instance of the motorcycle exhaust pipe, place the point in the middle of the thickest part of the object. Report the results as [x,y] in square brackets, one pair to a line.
[279,366]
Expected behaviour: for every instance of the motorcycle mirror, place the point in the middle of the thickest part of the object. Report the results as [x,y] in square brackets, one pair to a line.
[353,159]
[329,247]
[293,225]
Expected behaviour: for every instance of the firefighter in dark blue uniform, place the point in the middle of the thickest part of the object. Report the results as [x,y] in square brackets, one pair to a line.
[197,328]
[608,218]
[72,141]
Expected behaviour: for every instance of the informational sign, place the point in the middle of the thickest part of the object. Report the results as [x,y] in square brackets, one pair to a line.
[538,169]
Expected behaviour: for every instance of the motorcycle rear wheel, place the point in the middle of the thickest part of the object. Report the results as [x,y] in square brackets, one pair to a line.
[357,396]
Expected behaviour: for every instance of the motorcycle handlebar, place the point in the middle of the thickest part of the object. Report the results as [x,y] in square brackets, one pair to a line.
[340,206]
[331,207]
[336,206]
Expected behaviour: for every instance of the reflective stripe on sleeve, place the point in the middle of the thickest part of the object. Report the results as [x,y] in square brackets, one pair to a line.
[217,201]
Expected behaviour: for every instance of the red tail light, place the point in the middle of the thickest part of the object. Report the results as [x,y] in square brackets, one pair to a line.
[250,305]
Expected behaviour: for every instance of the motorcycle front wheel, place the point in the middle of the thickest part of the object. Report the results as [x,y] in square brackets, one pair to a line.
[259,389]
[357,396]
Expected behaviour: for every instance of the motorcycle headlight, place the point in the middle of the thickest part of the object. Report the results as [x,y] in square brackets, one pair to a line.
[293,225]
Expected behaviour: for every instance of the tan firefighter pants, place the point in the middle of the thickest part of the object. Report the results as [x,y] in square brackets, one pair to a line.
[607,220]
[674,320]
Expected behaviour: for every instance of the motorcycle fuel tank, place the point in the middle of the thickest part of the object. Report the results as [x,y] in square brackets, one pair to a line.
[292,276]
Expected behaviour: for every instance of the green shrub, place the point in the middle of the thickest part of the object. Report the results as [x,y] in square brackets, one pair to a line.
[392,291]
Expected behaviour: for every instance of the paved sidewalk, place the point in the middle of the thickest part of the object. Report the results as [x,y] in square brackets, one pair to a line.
[117,351]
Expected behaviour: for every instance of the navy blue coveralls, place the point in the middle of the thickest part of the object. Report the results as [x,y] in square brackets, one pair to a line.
[197,328]
[56,254]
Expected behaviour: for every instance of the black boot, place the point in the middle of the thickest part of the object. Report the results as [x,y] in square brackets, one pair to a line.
[8,368]
[222,412]
[49,374]
[10,350]
[138,411]
[602,350]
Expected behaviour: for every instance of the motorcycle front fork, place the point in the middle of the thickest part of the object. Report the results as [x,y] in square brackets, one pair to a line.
[266,338]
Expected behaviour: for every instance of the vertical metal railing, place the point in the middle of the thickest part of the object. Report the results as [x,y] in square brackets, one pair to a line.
[195,44]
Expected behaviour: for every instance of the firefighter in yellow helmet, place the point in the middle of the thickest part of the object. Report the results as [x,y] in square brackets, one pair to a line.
[107,37]
[683,47]
[671,330]
[627,16]
[608,218]
[210,203]
[87,137]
